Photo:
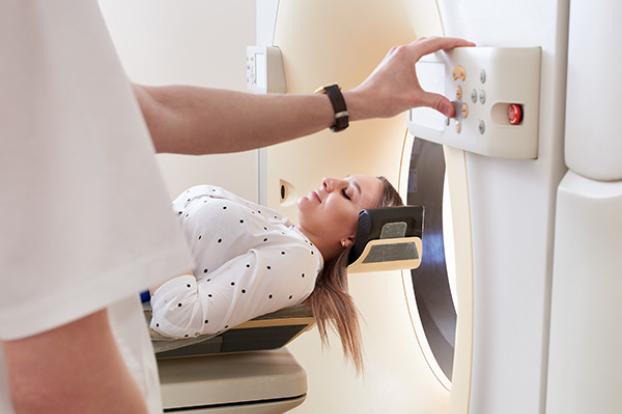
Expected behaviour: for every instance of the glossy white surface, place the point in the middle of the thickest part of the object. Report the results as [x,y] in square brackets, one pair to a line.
[593,144]
[585,366]
[512,213]
[264,70]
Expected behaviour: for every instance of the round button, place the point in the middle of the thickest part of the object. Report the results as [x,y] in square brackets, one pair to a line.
[482,96]
[482,127]
[459,73]
[474,96]
[482,76]
[515,114]
[459,92]
[465,110]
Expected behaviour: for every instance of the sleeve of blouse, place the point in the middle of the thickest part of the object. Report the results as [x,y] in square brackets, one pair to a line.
[261,281]
[187,196]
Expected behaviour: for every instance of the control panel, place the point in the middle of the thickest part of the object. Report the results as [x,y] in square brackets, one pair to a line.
[264,70]
[495,93]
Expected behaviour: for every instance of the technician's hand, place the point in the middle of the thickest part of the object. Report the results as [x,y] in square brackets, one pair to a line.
[393,86]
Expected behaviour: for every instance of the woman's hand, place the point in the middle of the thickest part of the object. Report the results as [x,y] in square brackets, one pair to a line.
[393,86]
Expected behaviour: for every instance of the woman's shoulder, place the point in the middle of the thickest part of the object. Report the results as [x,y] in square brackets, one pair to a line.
[203,190]
[301,249]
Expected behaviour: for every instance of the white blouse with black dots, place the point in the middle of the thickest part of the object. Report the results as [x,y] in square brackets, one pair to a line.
[249,261]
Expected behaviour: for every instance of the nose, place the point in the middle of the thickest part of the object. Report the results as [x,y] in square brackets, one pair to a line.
[330,184]
[327,184]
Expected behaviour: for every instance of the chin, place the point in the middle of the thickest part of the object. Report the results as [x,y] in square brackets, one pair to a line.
[300,203]
[303,208]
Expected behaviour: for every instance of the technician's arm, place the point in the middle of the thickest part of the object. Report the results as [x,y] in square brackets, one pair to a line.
[192,120]
[75,368]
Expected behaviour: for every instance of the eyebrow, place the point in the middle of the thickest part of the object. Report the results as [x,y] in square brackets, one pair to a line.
[358,187]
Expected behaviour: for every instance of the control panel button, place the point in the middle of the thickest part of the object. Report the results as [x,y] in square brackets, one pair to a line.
[482,127]
[482,76]
[465,110]
[459,93]
[474,96]
[482,96]
[459,73]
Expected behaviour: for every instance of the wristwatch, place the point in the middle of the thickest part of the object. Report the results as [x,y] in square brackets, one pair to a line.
[342,119]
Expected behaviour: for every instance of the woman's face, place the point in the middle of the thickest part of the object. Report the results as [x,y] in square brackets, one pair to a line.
[332,211]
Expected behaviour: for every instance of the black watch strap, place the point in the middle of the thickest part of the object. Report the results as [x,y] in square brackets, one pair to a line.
[342,118]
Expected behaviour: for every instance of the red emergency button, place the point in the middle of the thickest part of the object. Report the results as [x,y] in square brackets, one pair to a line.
[515,114]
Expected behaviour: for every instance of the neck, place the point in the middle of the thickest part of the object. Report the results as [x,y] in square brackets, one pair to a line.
[328,250]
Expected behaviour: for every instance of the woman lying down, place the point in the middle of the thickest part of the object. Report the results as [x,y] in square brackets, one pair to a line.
[250,260]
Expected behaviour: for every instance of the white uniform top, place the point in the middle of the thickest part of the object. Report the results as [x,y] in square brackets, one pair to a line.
[250,261]
[85,221]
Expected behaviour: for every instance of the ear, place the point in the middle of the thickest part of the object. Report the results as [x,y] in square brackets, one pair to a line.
[347,242]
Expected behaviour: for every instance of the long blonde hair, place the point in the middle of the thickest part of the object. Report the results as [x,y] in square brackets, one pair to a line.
[331,302]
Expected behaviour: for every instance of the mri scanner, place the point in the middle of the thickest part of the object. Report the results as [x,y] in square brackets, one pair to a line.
[515,308]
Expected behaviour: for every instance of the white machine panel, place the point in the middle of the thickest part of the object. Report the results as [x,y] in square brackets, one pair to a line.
[264,70]
[512,209]
[496,95]
[593,143]
[585,364]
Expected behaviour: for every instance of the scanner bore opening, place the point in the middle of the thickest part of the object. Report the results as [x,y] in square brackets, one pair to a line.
[431,283]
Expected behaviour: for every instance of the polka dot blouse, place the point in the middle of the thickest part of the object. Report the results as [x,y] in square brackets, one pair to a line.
[249,261]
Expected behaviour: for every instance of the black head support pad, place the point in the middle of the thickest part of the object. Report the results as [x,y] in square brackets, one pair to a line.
[386,223]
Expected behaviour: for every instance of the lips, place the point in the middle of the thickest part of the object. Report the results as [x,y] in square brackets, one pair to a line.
[317,196]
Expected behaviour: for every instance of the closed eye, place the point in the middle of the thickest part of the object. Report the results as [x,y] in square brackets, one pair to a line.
[345,194]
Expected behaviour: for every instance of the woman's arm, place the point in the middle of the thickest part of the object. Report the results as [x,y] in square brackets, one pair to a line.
[261,281]
[193,120]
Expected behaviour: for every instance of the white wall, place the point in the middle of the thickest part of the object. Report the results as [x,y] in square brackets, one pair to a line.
[196,42]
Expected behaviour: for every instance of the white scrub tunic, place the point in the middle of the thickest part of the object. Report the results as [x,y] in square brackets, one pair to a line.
[85,222]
